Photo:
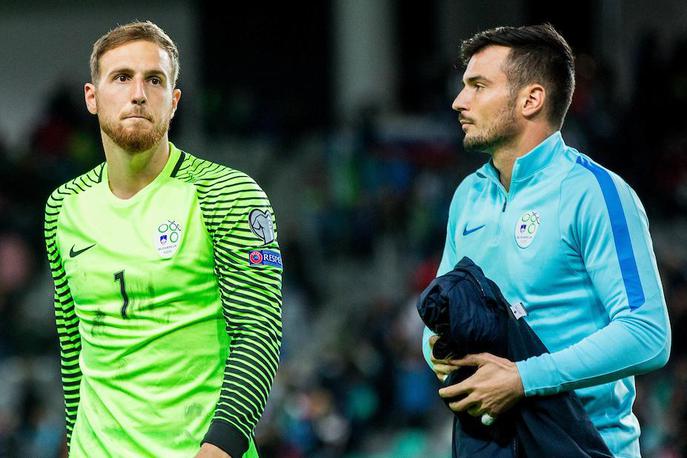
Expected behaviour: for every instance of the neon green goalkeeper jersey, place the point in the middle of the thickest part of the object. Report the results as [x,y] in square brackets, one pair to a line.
[168,310]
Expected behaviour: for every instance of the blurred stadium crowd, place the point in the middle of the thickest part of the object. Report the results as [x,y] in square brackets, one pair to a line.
[361,212]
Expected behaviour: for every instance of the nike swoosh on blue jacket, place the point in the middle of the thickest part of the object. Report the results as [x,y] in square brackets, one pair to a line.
[570,242]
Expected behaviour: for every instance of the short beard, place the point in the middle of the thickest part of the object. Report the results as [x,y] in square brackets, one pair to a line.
[135,140]
[501,130]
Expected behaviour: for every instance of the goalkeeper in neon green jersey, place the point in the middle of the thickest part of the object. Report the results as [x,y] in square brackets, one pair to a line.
[167,276]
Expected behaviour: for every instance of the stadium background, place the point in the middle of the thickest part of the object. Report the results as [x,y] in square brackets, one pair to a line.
[341,110]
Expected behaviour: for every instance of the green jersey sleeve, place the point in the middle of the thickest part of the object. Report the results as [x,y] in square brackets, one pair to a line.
[241,223]
[65,316]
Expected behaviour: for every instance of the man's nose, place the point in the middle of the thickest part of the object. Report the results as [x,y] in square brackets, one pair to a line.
[138,96]
[459,103]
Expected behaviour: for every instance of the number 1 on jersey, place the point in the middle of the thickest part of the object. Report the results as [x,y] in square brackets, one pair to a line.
[119,276]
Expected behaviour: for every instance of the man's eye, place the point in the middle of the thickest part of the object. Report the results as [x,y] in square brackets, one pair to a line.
[156,81]
[121,78]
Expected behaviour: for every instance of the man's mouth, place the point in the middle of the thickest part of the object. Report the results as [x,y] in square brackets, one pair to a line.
[137,116]
[464,124]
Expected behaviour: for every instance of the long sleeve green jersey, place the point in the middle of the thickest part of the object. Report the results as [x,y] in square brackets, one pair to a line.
[168,310]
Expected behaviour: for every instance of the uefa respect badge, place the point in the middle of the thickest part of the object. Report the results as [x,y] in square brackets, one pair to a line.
[167,238]
[265,258]
[526,228]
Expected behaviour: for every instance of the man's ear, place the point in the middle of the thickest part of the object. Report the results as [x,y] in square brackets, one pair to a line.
[533,98]
[89,96]
[176,95]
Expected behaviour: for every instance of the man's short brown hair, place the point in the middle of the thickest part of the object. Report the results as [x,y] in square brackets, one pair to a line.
[132,32]
[538,54]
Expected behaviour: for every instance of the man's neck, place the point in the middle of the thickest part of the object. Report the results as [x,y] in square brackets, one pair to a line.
[127,172]
[505,155]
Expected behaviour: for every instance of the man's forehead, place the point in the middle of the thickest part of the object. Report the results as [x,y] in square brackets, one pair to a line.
[139,53]
[487,62]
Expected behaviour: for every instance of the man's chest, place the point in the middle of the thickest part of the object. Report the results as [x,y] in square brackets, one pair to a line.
[518,240]
[134,262]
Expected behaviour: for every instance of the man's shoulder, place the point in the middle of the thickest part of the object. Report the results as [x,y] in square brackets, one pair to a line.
[588,177]
[208,176]
[591,191]
[76,186]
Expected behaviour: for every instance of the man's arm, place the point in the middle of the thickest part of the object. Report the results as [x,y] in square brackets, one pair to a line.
[65,317]
[449,259]
[248,269]
[611,232]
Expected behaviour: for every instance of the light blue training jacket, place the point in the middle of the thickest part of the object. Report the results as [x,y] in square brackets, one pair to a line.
[569,242]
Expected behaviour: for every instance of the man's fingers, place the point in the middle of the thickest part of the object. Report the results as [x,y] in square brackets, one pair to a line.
[469,403]
[443,370]
[433,340]
[440,361]
[446,362]
[473,360]
[454,390]
[469,360]
[475,410]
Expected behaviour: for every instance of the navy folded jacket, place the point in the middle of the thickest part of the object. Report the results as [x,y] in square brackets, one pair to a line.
[470,315]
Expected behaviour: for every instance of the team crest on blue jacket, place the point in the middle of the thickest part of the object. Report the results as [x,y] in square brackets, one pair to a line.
[167,238]
[526,228]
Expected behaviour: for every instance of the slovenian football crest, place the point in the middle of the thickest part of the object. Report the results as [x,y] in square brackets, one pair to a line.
[526,228]
[167,238]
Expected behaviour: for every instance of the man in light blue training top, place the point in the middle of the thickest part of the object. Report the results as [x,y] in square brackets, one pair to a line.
[566,240]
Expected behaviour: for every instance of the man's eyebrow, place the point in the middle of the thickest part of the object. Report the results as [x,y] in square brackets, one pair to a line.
[129,71]
[476,79]
[156,72]
[125,70]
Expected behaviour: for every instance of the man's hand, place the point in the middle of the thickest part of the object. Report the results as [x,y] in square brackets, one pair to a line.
[494,388]
[441,367]
[211,451]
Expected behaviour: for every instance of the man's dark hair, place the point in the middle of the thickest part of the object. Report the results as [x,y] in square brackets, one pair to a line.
[538,54]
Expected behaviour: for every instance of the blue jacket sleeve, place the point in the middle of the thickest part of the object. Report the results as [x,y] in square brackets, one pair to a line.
[610,231]
[448,260]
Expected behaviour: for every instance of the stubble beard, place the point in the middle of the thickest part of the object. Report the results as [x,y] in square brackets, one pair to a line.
[135,139]
[499,132]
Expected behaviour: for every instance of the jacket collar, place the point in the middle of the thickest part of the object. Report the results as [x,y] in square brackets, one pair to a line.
[541,156]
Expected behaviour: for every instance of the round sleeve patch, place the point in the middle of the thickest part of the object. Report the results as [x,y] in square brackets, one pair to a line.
[261,225]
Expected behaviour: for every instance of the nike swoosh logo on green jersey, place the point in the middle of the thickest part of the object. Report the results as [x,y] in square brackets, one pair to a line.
[74,253]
